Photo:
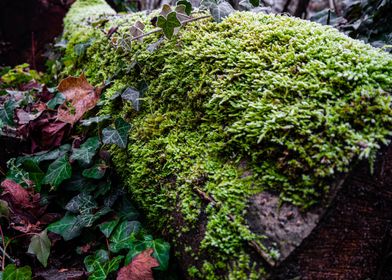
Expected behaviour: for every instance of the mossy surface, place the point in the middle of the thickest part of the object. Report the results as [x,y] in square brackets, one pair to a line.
[257,102]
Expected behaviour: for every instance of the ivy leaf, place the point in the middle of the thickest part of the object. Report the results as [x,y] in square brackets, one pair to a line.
[137,30]
[139,268]
[81,203]
[4,209]
[88,217]
[101,256]
[46,155]
[58,99]
[126,210]
[101,271]
[132,95]
[11,272]
[168,24]
[35,173]
[188,6]
[166,9]
[160,247]
[68,227]
[124,235]
[108,227]
[219,10]
[181,13]
[118,136]
[95,172]
[7,113]
[79,183]
[93,120]
[58,171]
[255,3]
[40,246]
[85,153]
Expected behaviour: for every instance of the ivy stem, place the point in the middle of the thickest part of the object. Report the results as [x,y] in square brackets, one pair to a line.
[2,249]
[160,29]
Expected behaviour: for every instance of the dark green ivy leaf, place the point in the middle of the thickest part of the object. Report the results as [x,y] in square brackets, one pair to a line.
[35,173]
[168,24]
[7,113]
[85,153]
[118,136]
[11,272]
[95,172]
[125,209]
[255,3]
[124,235]
[68,227]
[108,227]
[40,247]
[161,251]
[46,155]
[101,271]
[58,99]
[188,6]
[100,257]
[58,171]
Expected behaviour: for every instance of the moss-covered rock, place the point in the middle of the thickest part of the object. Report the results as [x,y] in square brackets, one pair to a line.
[229,110]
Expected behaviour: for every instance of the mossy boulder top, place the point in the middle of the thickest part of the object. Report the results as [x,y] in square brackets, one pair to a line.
[256,109]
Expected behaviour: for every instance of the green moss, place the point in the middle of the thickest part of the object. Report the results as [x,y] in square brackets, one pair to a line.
[257,102]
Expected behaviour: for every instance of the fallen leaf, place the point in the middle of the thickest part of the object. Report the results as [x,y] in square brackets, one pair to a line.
[19,196]
[139,268]
[81,97]
[40,247]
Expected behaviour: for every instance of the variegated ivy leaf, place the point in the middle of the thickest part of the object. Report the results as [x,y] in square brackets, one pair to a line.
[137,30]
[93,120]
[118,136]
[218,9]
[124,235]
[85,153]
[58,171]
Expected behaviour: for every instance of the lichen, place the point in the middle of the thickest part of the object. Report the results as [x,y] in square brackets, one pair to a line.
[256,102]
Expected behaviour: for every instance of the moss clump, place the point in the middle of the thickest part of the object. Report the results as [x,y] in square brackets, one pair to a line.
[257,102]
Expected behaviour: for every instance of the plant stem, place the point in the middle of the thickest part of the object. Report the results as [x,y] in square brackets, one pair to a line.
[2,249]
[160,29]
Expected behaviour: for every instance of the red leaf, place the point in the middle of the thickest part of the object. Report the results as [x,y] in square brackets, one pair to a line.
[33,84]
[81,97]
[19,196]
[139,268]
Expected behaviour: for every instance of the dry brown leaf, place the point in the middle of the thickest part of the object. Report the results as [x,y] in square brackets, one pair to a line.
[81,97]
[139,268]
[18,195]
